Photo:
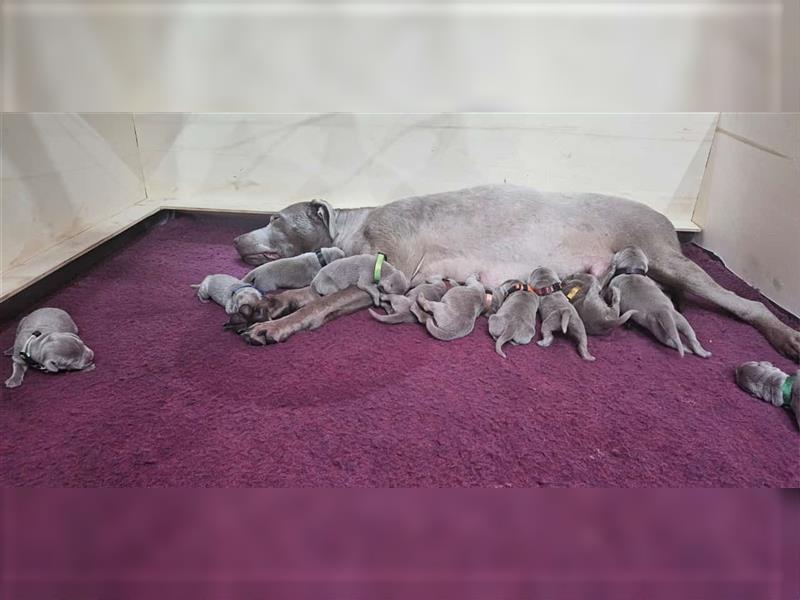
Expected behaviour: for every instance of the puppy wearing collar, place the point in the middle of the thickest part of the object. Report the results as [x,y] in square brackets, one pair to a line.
[294,272]
[369,272]
[556,311]
[654,310]
[515,319]
[454,316]
[404,308]
[583,290]
[233,294]
[767,382]
[47,340]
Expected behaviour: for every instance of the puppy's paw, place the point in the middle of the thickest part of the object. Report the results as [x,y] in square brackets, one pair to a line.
[12,382]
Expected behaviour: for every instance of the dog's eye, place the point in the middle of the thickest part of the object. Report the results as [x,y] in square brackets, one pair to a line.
[274,218]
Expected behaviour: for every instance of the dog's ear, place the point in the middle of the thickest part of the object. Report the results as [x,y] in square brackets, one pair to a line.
[246,311]
[235,322]
[324,212]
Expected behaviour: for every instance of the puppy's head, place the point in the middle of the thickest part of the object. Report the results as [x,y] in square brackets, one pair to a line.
[65,352]
[543,277]
[393,281]
[630,257]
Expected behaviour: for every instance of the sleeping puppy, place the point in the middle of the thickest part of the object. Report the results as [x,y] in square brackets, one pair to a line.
[556,311]
[654,310]
[404,309]
[515,320]
[47,340]
[454,316]
[227,291]
[368,272]
[294,272]
[583,290]
[769,383]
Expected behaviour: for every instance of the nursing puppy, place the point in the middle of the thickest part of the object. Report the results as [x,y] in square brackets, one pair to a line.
[654,310]
[47,340]
[583,290]
[404,309]
[368,272]
[556,311]
[454,316]
[294,272]
[515,320]
[769,383]
[233,294]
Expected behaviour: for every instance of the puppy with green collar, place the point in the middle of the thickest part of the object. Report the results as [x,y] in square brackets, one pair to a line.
[47,340]
[767,382]
[369,272]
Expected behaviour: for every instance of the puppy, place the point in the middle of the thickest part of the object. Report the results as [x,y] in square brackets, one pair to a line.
[515,320]
[294,272]
[769,383]
[556,311]
[654,310]
[47,340]
[234,295]
[454,316]
[583,290]
[368,272]
[404,309]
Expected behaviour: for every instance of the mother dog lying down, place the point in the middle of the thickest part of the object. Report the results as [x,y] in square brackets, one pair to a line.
[499,231]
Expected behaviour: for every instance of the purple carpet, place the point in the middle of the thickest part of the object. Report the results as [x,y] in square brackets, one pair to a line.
[177,401]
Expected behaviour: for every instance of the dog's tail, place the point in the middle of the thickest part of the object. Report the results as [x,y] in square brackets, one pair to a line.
[565,314]
[250,277]
[621,320]
[9,352]
[667,323]
[498,330]
[194,286]
[392,318]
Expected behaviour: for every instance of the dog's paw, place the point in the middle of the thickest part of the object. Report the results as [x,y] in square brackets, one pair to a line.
[786,341]
[11,382]
[262,334]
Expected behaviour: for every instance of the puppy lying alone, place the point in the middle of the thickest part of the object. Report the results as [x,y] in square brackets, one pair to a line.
[769,383]
[583,290]
[515,320]
[454,316]
[654,310]
[404,309]
[47,340]
[234,295]
[369,272]
[294,272]
[556,311]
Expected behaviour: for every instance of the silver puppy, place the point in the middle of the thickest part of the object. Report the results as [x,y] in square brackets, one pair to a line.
[556,311]
[654,310]
[47,340]
[404,308]
[365,271]
[585,293]
[515,320]
[294,272]
[454,316]
[767,382]
[227,291]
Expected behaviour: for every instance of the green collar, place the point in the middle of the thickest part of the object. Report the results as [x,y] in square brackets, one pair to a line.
[376,274]
[787,390]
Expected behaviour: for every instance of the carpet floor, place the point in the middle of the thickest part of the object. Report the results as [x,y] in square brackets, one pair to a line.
[177,401]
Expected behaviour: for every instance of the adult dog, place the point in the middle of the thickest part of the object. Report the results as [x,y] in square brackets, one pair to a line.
[499,231]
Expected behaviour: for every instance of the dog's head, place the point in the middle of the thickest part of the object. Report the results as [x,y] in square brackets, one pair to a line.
[761,379]
[543,277]
[393,281]
[630,257]
[298,228]
[64,352]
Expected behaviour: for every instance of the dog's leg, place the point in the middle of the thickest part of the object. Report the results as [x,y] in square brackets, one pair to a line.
[687,331]
[578,332]
[310,316]
[675,270]
[17,373]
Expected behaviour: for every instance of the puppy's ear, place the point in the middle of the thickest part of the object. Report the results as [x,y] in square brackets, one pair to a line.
[246,311]
[324,212]
[236,322]
[9,352]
